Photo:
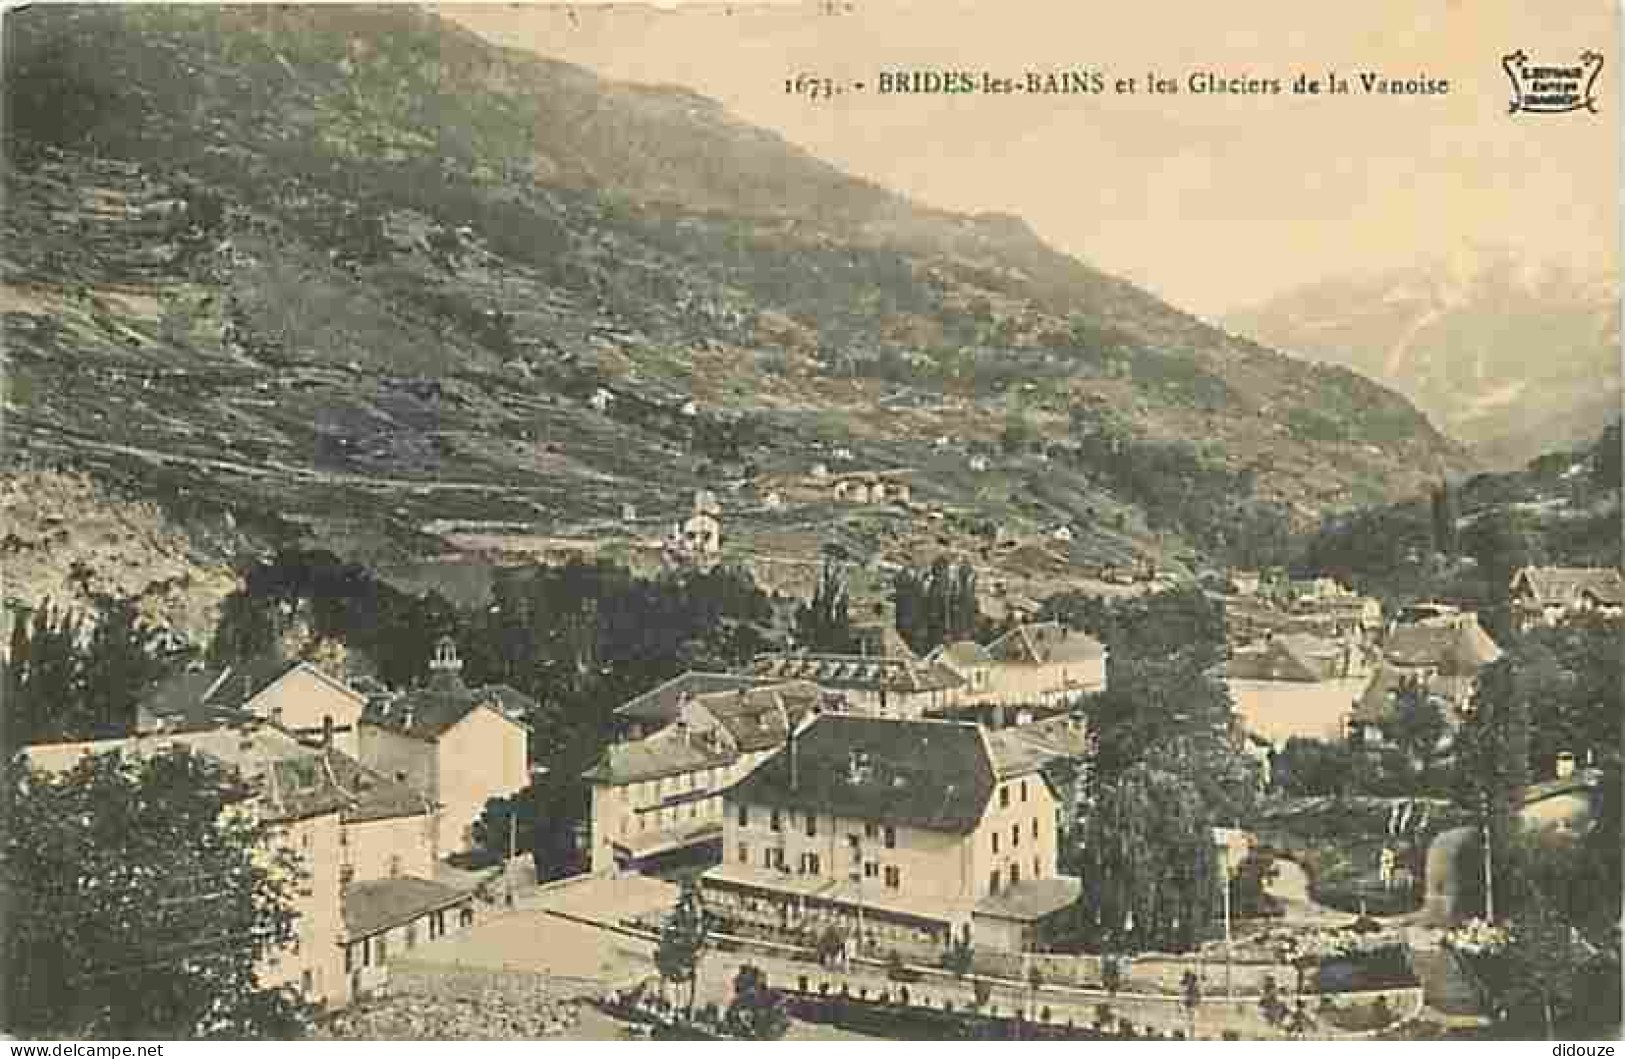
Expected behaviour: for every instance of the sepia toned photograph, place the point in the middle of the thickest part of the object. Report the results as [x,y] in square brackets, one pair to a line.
[811,520]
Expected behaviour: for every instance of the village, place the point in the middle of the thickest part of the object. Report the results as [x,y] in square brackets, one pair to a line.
[854,820]
[516,529]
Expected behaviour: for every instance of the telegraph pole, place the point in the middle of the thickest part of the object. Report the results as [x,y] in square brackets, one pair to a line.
[1229,991]
[513,839]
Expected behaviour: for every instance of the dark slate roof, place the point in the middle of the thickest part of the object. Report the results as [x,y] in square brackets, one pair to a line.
[379,904]
[659,705]
[859,672]
[432,710]
[936,775]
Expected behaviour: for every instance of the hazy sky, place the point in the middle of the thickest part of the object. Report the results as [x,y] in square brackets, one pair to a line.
[1214,202]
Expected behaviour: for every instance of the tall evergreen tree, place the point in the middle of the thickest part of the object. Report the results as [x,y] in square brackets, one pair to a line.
[1492,759]
[1150,868]
[824,623]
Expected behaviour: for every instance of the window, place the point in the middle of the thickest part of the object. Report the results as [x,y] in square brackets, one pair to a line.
[891,837]
[1015,873]
[773,821]
[382,946]
[306,983]
[809,864]
[993,881]
[871,829]
[1038,872]
[411,935]
[1023,790]
[394,865]
[812,825]
[743,814]
[1035,829]
[894,877]
[744,853]
[1015,835]
[870,869]
[1004,797]
[995,841]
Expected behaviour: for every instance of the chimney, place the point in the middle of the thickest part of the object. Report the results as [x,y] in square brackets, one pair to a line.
[1565,765]
[857,764]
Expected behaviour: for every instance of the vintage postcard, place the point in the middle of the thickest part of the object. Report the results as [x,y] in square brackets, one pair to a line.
[816,521]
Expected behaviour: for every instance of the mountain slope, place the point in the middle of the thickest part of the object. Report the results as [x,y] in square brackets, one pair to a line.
[353,274]
[1511,357]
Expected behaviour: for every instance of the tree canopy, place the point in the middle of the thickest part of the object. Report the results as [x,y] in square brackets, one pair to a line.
[75,676]
[1150,869]
[140,903]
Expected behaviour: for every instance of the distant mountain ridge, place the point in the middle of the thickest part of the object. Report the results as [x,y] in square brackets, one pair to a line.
[352,275]
[1512,356]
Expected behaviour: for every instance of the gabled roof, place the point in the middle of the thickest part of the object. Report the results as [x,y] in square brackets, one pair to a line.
[659,705]
[858,672]
[936,775]
[1460,648]
[1288,656]
[1061,736]
[1376,702]
[1045,643]
[961,654]
[760,718]
[668,752]
[291,780]
[373,796]
[1014,756]
[1559,585]
[379,904]
[433,710]
[212,695]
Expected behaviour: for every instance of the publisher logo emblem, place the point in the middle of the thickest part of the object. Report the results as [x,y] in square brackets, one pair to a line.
[1552,88]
